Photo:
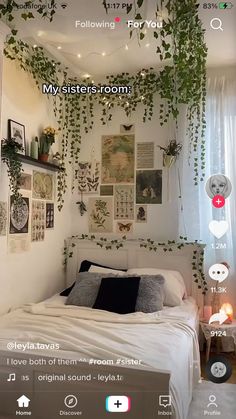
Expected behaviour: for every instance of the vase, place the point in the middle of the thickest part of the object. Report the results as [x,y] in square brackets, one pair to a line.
[43,157]
[168,160]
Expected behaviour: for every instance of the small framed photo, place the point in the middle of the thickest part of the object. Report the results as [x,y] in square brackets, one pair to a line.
[17,131]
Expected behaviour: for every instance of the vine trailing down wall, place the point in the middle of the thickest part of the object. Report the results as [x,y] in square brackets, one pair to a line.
[182,80]
[150,245]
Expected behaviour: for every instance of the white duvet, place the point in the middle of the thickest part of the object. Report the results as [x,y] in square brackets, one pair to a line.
[163,340]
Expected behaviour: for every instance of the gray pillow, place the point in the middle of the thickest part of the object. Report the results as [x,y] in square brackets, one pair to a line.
[86,288]
[150,295]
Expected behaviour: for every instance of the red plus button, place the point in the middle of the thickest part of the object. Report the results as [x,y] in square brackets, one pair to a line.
[218,201]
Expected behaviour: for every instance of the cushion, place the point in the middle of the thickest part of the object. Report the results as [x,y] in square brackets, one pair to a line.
[150,295]
[118,296]
[174,286]
[85,266]
[86,288]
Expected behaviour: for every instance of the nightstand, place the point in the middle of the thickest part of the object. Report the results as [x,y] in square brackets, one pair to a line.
[219,331]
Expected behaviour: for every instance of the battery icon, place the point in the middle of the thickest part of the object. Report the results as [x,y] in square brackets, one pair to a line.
[225,5]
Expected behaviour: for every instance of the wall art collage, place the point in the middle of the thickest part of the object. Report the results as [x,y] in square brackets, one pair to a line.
[127,183]
[27,221]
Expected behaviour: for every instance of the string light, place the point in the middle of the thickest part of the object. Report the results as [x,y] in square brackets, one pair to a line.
[59,47]
[147,45]
[35,46]
[79,55]
[103,54]
[126,47]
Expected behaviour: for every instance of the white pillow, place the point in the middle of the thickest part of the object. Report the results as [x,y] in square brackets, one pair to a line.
[174,286]
[99,269]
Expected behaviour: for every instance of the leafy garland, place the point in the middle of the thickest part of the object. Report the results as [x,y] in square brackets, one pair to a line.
[148,244]
[10,156]
[183,81]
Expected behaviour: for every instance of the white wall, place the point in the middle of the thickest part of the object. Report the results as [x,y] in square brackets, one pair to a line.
[162,218]
[37,273]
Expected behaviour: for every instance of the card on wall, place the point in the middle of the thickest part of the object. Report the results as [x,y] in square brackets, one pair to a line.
[100,212]
[19,224]
[117,159]
[26,182]
[49,215]
[106,190]
[124,227]
[149,186]
[3,218]
[38,221]
[43,186]
[145,155]
[141,214]
[19,216]
[123,202]
[88,174]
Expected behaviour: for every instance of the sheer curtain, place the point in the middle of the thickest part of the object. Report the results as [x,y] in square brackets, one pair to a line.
[196,210]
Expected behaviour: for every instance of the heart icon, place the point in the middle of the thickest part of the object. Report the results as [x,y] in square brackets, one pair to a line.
[218,228]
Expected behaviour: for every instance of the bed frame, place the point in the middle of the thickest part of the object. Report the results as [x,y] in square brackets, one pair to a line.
[132,255]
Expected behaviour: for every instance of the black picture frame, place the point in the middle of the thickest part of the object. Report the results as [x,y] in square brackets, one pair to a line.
[16,130]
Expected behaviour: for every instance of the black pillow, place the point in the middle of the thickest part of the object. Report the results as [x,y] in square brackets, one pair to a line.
[118,296]
[84,267]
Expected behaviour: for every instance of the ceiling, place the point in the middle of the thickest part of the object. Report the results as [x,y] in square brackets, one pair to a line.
[102,51]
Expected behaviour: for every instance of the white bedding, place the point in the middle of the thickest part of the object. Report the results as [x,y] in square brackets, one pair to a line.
[169,335]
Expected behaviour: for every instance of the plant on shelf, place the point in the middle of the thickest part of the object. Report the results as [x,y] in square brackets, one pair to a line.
[10,156]
[170,153]
[46,140]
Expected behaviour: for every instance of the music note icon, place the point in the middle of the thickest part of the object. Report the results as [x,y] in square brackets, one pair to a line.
[12,377]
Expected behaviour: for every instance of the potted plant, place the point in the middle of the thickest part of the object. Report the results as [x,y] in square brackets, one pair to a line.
[10,156]
[170,153]
[46,140]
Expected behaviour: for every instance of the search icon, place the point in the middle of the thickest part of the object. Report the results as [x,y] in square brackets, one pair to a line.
[216,23]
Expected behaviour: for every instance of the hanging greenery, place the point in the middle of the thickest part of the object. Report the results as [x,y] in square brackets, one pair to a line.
[182,80]
[10,156]
[150,245]
[182,48]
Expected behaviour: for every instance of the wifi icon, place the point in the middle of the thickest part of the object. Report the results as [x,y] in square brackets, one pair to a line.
[64,5]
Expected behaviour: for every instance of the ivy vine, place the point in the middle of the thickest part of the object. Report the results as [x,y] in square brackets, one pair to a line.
[150,245]
[10,156]
[182,79]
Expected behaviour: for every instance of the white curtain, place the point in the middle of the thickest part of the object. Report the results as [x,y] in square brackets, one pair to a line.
[196,209]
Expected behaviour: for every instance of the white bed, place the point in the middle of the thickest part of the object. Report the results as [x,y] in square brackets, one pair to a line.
[166,340]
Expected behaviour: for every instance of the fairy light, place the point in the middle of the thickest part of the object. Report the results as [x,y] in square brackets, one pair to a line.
[79,55]
[59,47]
[126,47]
[103,54]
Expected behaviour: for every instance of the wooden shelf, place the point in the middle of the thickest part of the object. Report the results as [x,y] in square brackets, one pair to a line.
[34,162]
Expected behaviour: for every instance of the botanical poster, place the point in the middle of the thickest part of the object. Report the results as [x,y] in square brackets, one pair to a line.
[100,211]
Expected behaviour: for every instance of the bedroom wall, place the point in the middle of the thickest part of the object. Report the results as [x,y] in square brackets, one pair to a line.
[162,221]
[38,273]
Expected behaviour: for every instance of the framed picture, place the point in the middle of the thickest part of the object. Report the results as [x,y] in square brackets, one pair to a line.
[17,131]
